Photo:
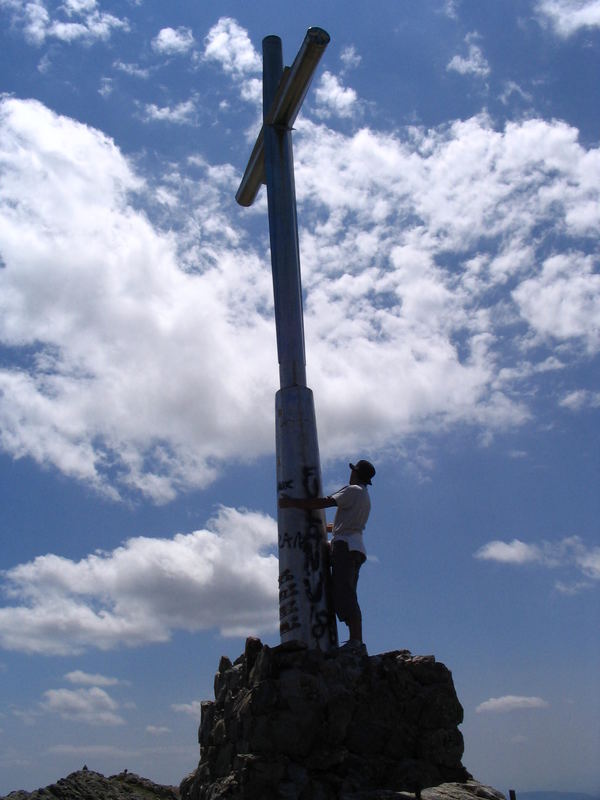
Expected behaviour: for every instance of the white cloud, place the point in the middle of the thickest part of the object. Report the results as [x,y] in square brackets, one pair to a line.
[572,588]
[580,398]
[510,702]
[563,300]
[589,562]
[222,577]
[229,44]
[157,730]
[191,709]
[515,552]
[451,8]
[73,20]
[511,88]
[99,289]
[93,706]
[133,69]
[148,350]
[87,679]
[79,6]
[568,553]
[171,41]
[350,58]
[333,98]
[106,87]
[181,114]
[251,90]
[474,63]
[567,17]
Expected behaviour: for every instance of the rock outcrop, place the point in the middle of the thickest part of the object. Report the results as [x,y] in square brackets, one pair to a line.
[88,785]
[288,722]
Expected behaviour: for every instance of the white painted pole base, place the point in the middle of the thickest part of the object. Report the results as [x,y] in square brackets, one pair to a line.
[303,553]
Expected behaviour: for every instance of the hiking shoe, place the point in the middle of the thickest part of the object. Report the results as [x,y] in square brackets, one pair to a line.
[354,647]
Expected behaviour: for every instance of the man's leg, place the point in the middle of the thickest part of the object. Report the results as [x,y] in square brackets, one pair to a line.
[355,621]
[355,627]
[345,568]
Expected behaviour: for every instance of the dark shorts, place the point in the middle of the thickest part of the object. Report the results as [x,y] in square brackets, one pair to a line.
[345,566]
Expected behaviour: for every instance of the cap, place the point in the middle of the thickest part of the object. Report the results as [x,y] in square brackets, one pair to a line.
[365,470]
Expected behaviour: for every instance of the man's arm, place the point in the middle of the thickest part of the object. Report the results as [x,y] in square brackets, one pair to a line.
[306,503]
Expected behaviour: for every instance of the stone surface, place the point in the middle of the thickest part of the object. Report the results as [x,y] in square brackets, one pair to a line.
[470,790]
[88,785]
[288,722]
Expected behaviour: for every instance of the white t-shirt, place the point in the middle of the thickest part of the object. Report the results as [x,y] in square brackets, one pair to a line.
[353,507]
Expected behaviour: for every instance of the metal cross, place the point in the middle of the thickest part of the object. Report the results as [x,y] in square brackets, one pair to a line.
[305,611]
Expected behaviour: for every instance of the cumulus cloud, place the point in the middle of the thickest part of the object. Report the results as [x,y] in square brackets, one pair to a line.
[173,41]
[229,44]
[567,17]
[510,702]
[333,99]
[183,113]
[515,552]
[563,300]
[93,295]
[474,63]
[381,210]
[144,333]
[224,577]
[568,553]
[93,706]
[72,20]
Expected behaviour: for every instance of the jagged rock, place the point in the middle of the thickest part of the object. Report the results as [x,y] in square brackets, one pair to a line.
[288,722]
[88,785]
[445,791]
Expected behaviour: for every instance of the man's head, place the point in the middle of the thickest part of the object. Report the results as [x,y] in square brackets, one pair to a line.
[364,470]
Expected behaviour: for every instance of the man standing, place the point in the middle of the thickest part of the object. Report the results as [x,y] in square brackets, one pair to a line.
[348,551]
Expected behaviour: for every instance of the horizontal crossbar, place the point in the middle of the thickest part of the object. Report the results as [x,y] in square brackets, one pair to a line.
[284,109]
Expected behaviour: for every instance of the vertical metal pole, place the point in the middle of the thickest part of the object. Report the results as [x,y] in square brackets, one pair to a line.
[304,607]
[283,228]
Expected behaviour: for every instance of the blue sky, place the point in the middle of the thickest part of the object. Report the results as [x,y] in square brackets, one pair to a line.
[447,171]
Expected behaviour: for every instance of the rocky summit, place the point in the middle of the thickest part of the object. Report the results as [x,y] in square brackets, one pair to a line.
[289,722]
[89,785]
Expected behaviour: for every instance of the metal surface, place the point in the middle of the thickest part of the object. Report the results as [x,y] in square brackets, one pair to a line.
[286,104]
[283,229]
[283,107]
[305,609]
[304,605]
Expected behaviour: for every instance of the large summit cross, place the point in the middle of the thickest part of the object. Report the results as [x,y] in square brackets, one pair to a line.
[305,612]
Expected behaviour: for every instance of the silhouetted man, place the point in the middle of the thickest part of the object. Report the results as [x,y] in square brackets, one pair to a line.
[348,551]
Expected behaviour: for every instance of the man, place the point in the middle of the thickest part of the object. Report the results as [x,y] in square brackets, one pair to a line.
[348,551]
